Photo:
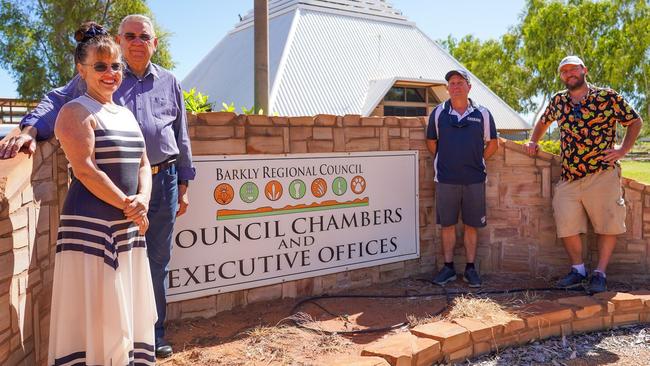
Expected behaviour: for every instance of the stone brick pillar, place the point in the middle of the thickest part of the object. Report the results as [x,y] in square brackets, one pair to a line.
[31,192]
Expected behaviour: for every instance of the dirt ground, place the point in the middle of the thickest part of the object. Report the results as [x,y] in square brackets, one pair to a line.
[623,346]
[264,333]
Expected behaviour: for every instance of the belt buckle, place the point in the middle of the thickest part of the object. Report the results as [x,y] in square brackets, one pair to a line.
[154,170]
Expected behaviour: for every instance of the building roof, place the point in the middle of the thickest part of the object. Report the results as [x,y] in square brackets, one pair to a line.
[334,57]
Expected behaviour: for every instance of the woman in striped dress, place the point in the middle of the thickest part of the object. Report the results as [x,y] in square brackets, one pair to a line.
[103,308]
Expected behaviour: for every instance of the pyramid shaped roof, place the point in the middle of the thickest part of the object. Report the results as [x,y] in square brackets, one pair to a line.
[334,57]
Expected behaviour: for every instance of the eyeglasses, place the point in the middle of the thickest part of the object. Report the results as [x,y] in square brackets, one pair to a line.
[103,66]
[144,37]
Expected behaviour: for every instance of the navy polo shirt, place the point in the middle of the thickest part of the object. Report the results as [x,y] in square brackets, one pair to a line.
[460,142]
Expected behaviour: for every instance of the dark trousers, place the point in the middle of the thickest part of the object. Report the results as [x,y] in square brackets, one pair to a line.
[162,215]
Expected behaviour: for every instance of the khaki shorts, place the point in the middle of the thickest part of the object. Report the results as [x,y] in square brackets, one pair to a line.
[598,196]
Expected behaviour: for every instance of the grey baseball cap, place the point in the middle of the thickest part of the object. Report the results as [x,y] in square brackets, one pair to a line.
[570,60]
[462,73]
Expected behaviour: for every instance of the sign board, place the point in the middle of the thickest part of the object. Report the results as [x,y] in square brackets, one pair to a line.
[257,220]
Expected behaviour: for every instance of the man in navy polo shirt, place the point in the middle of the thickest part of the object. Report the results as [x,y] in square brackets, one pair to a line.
[461,135]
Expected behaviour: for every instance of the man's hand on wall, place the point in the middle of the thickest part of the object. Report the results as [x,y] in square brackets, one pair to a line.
[531,148]
[25,142]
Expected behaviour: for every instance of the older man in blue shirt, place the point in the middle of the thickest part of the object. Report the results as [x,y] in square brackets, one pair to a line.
[154,96]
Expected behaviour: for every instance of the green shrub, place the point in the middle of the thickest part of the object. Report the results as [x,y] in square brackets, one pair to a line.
[196,102]
[549,146]
[228,107]
[225,107]
[252,110]
[552,147]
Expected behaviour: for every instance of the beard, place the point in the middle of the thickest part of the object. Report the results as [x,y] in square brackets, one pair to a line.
[576,84]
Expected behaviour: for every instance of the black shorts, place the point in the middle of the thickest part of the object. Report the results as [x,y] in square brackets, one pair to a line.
[468,199]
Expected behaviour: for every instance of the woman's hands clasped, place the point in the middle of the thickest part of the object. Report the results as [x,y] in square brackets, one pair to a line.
[136,211]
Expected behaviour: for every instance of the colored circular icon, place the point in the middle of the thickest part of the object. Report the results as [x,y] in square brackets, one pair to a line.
[224,193]
[273,190]
[297,189]
[358,184]
[319,187]
[339,186]
[248,192]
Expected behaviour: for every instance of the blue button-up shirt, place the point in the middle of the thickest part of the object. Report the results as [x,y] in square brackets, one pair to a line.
[156,101]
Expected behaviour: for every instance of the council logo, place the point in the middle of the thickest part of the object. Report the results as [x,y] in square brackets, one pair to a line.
[339,186]
[297,189]
[318,187]
[358,184]
[273,190]
[224,193]
[248,192]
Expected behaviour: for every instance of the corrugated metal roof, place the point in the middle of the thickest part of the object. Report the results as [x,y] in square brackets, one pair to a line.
[331,61]
[377,89]
[226,72]
[374,8]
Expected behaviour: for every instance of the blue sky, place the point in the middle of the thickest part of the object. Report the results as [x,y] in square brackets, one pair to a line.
[197,25]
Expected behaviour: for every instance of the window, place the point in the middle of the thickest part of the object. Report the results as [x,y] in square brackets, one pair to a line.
[408,100]
[415,95]
[402,94]
[395,94]
[404,111]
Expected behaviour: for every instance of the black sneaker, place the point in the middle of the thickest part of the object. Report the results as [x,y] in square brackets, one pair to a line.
[598,283]
[445,275]
[472,277]
[573,279]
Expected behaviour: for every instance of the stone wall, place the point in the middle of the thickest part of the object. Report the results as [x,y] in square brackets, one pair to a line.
[31,193]
[223,133]
[520,237]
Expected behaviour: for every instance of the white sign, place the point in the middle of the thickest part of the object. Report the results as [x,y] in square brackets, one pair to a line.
[265,219]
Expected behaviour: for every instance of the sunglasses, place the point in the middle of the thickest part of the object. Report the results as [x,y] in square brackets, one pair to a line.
[103,66]
[144,37]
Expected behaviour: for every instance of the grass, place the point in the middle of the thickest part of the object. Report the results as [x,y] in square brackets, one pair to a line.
[478,308]
[274,343]
[281,344]
[637,170]
[415,320]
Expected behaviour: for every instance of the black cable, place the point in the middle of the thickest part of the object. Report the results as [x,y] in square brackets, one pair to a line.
[323,308]
[448,294]
[312,300]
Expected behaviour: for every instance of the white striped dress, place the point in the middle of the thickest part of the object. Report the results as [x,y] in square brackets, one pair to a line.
[103,307]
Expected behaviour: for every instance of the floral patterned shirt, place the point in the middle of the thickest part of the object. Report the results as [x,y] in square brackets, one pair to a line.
[587,129]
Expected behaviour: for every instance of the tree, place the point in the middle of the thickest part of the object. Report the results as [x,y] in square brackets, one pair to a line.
[612,37]
[498,64]
[37,44]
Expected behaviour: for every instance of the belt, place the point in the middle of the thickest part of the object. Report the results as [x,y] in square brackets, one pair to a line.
[155,169]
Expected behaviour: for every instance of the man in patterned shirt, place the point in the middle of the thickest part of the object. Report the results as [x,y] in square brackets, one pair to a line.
[590,186]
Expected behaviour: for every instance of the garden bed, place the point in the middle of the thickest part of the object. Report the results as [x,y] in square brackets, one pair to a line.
[266,334]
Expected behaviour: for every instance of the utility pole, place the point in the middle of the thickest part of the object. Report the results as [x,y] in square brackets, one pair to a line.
[261,31]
